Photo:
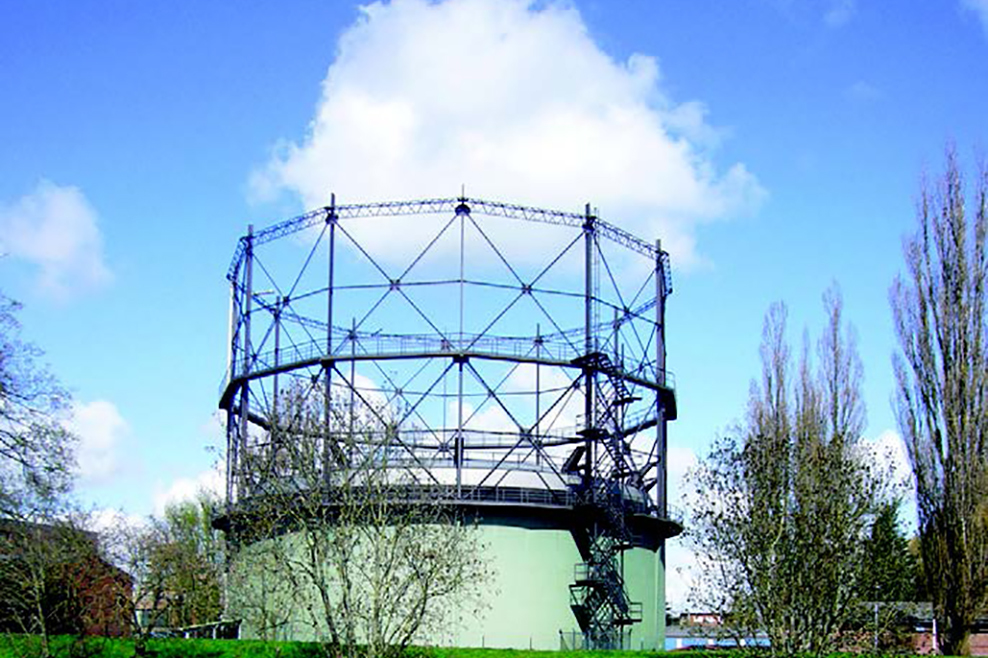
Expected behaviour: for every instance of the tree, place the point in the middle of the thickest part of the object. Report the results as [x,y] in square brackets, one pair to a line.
[36,451]
[192,559]
[940,306]
[367,555]
[176,563]
[37,593]
[889,570]
[38,545]
[889,581]
[134,547]
[781,507]
[53,581]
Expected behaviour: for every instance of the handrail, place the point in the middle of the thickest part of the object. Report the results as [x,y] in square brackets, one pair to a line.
[384,346]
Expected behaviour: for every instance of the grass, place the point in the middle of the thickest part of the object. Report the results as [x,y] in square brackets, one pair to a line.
[70,647]
[527,653]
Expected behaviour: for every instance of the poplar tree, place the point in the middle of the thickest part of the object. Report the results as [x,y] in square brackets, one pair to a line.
[782,506]
[940,306]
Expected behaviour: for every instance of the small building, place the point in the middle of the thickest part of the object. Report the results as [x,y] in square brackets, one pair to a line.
[57,568]
[923,633]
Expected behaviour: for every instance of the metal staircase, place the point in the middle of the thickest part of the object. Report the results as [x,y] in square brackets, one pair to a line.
[598,596]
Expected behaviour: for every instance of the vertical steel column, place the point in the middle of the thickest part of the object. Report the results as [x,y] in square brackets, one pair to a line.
[616,326]
[231,433]
[277,358]
[351,442]
[619,409]
[660,375]
[589,376]
[328,364]
[538,392]
[462,211]
[458,441]
[245,388]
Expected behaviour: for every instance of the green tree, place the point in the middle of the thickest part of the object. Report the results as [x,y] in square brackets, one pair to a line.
[191,554]
[780,508]
[940,308]
[889,571]
[177,564]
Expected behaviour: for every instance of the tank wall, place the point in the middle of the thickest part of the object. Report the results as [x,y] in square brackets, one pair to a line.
[644,578]
[528,600]
[531,603]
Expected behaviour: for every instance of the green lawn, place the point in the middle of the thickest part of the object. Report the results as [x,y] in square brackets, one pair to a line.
[67,647]
[25,647]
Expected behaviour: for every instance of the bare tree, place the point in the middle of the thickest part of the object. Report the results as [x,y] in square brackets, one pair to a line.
[261,589]
[941,368]
[37,542]
[54,582]
[133,548]
[37,454]
[781,508]
[33,587]
[372,559]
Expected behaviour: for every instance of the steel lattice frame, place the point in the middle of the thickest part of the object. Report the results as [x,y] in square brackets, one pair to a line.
[272,336]
[448,340]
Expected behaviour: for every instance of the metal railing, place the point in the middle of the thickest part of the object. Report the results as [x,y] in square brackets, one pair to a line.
[386,346]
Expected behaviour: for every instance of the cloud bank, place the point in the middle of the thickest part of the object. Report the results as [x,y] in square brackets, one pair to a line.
[55,229]
[840,13]
[100,429]
[514,100]
[980,8]
[211,482]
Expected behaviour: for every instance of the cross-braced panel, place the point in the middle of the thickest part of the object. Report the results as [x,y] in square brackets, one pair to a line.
[502,352]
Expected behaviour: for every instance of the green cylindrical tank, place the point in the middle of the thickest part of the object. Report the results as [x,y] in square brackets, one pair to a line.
[515,364]
[531,604]
[533,553]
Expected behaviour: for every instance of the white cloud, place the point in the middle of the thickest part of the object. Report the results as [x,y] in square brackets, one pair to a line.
[681,565]
[108,521]
[55,229]
[555,383]
[889,451]
[680,558]
[210,481]
[516,101]
[839,13]
[980,8]
[100,429]
[213,432]
[862,92]
[681,460]
[490,418]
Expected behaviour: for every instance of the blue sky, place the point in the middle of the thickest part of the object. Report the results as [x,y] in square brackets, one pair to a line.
[774,145]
